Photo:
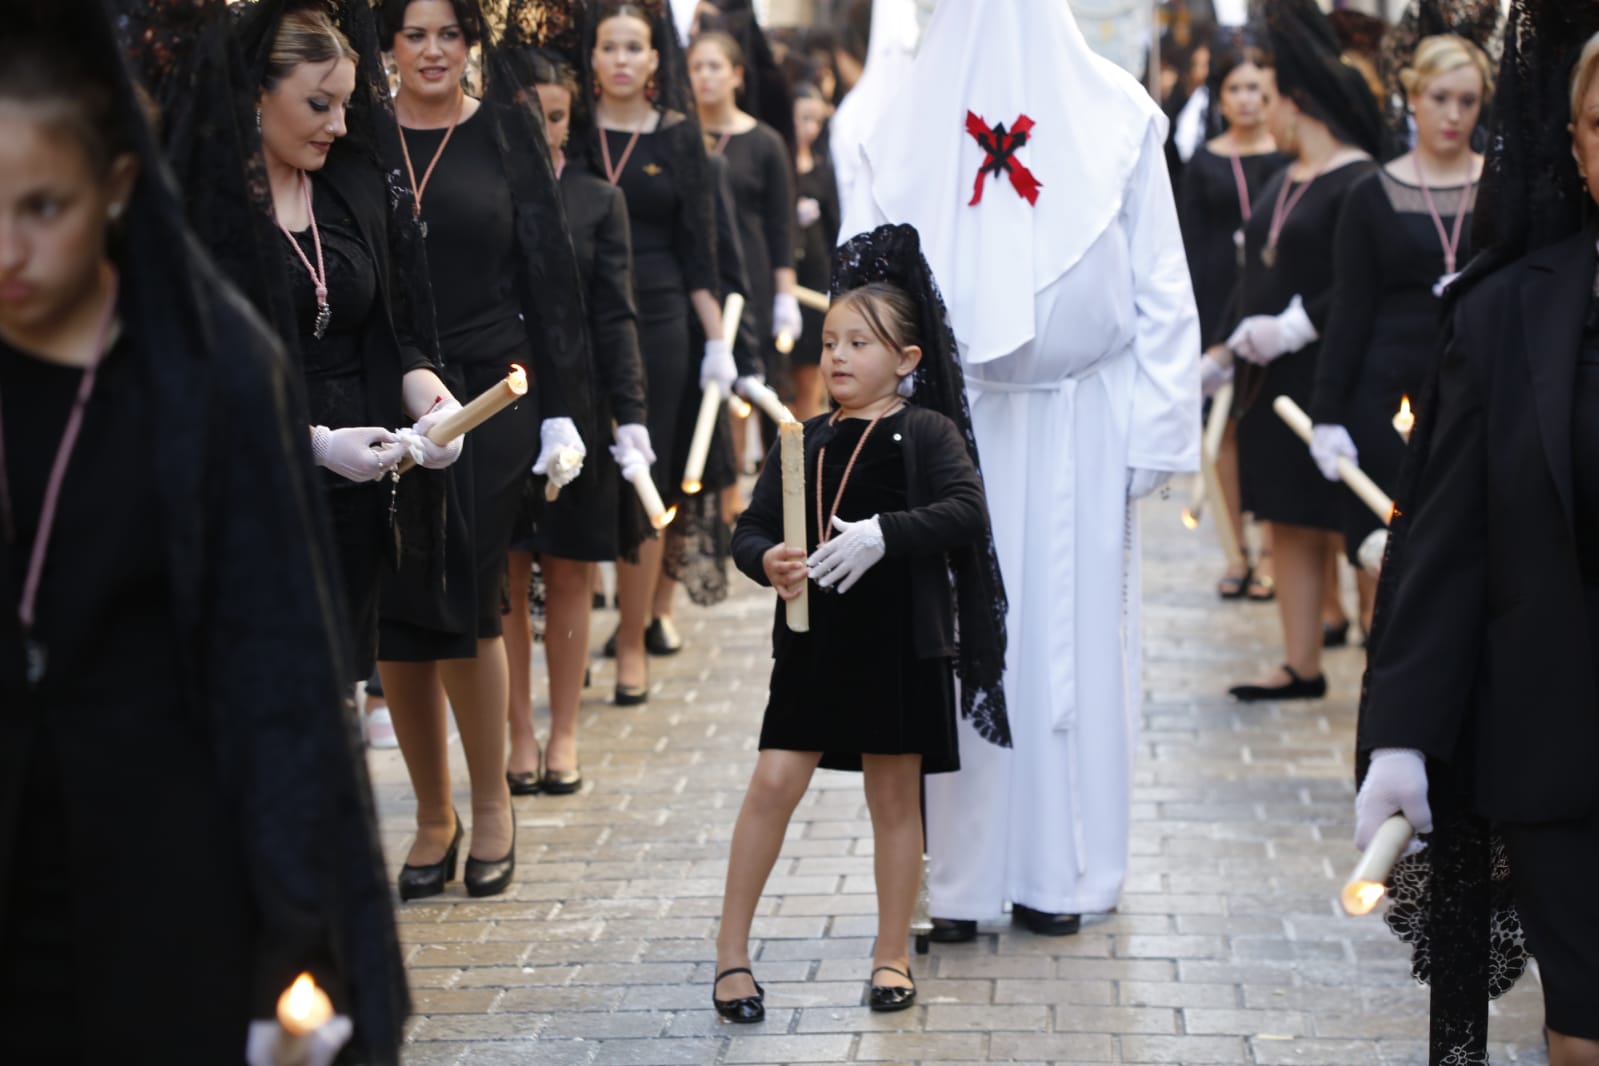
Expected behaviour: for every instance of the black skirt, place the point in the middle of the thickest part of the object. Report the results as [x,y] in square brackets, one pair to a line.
[1279,479]
[854,685]
[1553,868]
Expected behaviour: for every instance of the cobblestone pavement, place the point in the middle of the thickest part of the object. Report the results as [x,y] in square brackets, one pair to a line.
[1228,947]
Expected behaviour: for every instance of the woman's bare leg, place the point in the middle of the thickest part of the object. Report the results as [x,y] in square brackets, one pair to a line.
[567,608]
[524,757]
[477,690]
[1572,1050]
[1332,604]
[416,705]
[893,795]
[635,592]
[1301,556]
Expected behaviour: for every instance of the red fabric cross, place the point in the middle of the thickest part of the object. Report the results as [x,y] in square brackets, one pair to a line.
[1001,146]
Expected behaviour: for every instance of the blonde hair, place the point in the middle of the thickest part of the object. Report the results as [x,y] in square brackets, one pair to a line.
[304,36]
[1582,74]
[1445,54]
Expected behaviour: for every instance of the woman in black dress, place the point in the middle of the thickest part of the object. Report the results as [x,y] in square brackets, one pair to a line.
[817,214]
[1481,718]
[1215,200]
[599,517]
[190,659]
[506,294]
[654,154]
[1403,234]
[1327,118]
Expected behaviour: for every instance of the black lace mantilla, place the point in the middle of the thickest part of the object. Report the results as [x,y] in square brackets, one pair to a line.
[893,254]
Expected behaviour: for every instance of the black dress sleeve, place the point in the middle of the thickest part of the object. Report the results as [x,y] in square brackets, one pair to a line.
[1357,292]
[611,310]
[958,513]
[777,210]
[1418,688]
[760,526]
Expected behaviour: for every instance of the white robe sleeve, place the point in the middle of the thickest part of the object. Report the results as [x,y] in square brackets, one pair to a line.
[1165,429]
[860,211]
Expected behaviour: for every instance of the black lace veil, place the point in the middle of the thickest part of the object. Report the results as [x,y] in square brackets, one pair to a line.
[1478,21]
[1306,54]
[894,254]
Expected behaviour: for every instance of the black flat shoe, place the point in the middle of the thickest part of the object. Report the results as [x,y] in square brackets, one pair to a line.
[523,784]
[1043,923]
[599,601]
[1334,636]
[420,882]
[953,931]
[661,638]
[1297,688]
[562,782]
[887,998]
[1233,586]
[608,649]
[744,1011]
[490,878]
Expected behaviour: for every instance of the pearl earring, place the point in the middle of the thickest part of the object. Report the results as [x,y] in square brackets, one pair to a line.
[258,120]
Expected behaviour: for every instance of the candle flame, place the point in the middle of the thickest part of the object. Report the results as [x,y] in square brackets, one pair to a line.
[738,406]
[1190,520]
[516,380]
[1404,407]
[692,488]
[303,1007]
[664,519]
[1359,897]
[785,342]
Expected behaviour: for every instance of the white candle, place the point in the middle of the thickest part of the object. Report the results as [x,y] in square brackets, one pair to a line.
[302,1010]
[1404,421]
[816,301]
[764,398]
[1221,406]
[486,405]
[1367,885]
[791,437]
[1357,479]
[699,445]
[566,464]
[660,516]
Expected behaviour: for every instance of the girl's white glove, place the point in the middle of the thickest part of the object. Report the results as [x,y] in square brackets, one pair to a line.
[786,316]
[718,365]
[1396,783]
[632,450]
[436,456]
[855,549]
[359,453]
[264,1039]
[561,453]
[1261,339]
[1327,444]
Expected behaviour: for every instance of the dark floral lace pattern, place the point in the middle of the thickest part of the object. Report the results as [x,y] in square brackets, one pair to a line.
[698,545]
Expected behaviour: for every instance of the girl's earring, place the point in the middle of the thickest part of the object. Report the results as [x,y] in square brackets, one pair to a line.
[258,120]
[907,386]
[649,88]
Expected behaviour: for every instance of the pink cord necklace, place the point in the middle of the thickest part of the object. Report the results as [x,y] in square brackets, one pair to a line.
[38,657]
[319,273]
[824,522]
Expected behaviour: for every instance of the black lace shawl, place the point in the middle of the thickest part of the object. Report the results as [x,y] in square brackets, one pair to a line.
[248,552]
[894,254]
[1306,54]
[1452,902]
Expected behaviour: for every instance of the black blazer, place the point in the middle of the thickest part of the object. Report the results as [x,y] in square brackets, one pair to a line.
[946,510]
[596,215]
[1485,662]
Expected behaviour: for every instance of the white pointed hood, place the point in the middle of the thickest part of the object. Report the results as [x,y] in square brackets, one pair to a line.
[1001,59]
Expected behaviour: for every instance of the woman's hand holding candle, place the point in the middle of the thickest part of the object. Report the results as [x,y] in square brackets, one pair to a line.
[1396,783]
[718,366]
[423,450]
[359,453]
[787,324]
[786,569]
[561,452]
[1327,443]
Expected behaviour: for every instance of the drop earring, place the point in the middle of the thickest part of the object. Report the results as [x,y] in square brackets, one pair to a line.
[258,120]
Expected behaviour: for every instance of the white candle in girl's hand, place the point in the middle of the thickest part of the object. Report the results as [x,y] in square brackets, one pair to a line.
[791,437]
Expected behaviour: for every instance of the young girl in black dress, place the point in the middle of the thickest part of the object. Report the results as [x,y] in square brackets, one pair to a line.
[894,501]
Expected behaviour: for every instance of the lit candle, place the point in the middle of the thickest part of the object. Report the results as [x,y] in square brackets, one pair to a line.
[1368,884]
[785,342]
[1404,421]
[763,397]
[699,446]
[1358,480]
[489,403]
[302,1010]
[1221,405]
[791,438]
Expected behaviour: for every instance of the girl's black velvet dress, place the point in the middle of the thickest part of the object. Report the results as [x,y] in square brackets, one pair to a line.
[1382,339]
[1279,479]
[813,254]
[871,677]
[1208,210]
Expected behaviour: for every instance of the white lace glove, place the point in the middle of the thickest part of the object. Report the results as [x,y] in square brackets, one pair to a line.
[1141,482]
[1260,339]
[1327,443]
[718,365]
[807,211]
[1212,375]
[359,453]
[561,451]
[263,1040]
[1396,783]
[786,316]
[436,456]
[853,550]
[632,450]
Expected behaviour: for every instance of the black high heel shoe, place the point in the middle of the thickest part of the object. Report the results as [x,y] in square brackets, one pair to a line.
[745,1010]
[1297,688]
[420,882]
[490,877]
[1335,636]
[887,998]
[632,695]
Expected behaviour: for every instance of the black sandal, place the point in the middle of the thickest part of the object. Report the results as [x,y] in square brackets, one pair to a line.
[1262,588]
[886,998]
[745,1010]
[1233,586]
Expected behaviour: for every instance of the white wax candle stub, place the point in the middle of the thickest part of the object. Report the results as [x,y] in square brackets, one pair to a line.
[1367,885]
[791,436]
[699,447]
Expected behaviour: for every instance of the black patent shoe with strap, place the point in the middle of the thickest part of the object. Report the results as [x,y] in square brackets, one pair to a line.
[1296,688]
[420,882]
[887,998]
[746,1009]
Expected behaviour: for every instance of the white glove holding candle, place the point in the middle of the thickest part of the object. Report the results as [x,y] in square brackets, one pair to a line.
[1327,443]
[436,456]
[561,453]
[853,550]
[1141,482]
[718,365]
[786,316]
[1396,783]
[264,1043]
[807,211]
[1260,339]
[632,450]
[746,385]
[359,453]
[1212,375]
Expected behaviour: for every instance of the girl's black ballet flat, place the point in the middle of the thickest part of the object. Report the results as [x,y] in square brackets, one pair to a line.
[887,998]
[745,1010]
[1297,688]
[420,882]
